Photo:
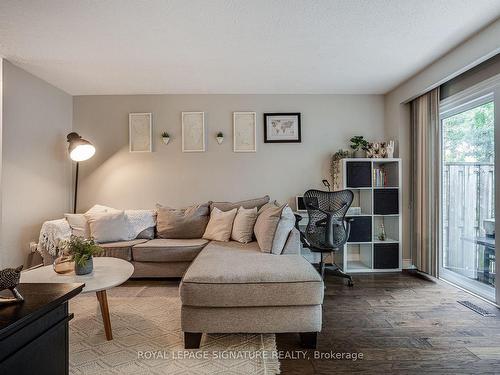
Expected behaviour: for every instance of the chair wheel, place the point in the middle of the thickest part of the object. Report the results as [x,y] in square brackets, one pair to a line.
[350,283]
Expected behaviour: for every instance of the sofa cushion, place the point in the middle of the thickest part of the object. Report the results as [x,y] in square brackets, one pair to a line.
[230,274]
[249,203]
[121,249]
[168,250]
[189,222]
[243,224]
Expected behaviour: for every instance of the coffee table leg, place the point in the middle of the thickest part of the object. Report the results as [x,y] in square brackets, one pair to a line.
[103,303]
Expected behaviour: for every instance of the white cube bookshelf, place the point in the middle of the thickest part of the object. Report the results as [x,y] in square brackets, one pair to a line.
[379,197]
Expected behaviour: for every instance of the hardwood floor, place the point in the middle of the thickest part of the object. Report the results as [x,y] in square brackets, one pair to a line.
[402,324]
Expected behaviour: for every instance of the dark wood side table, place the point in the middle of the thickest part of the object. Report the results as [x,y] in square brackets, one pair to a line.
[34,334]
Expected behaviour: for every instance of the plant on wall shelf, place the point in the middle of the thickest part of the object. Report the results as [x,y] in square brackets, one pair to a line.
[335,167]
[359,145]
[165,137]
[220,137]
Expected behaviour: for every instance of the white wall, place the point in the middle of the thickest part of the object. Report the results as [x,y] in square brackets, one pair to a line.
[118,178]
[36,172]
[478,48]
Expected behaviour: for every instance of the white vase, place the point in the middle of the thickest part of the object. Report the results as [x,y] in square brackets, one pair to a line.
[220,140]
[359,153]
[165,140]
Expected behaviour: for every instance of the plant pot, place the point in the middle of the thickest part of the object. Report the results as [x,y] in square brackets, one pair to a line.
[220,140]
[165,140]
[359,153]
[86,269]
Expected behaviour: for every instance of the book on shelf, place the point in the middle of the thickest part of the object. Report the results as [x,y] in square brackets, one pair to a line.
[379,177]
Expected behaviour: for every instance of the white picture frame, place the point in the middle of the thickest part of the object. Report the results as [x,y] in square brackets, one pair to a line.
[140,132]
[193,131]
[244,132]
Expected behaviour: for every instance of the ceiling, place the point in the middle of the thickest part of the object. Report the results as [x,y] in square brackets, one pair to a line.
[241,46]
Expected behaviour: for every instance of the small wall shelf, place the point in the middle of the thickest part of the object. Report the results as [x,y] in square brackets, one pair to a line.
[376,184]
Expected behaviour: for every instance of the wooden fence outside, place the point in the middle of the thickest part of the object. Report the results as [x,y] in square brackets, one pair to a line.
[468,199]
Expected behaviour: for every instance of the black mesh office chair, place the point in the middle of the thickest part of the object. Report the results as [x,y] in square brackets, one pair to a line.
[328,229]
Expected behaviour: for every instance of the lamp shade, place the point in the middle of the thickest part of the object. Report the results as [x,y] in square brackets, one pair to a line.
[79,149]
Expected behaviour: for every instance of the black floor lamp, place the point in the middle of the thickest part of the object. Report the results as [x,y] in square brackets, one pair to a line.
[79,150]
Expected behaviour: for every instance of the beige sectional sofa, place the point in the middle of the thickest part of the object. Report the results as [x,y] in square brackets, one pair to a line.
[232,287]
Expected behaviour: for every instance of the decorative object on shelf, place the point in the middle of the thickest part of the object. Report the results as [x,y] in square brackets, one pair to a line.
[335,167]
[193,131]
[79,149]
[359,146]
[220,137]
[381,234]
[244,132]
[390,150]
[63,263]
[9,279]
[282,128]
[379,177]
[140,132]
[165,137]
[82,251]
[376,150]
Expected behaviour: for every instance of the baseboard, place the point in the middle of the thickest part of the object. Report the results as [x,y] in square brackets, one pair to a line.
[408,264]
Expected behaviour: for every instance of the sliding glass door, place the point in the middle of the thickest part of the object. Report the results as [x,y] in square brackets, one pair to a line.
[467,192]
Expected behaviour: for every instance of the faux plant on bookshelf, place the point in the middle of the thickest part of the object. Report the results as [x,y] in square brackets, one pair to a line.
[335,167]
[359,145]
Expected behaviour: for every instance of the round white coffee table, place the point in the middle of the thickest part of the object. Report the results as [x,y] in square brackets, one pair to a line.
[108,272]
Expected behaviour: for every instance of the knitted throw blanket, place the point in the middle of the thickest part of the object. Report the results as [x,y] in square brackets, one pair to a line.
[51,234]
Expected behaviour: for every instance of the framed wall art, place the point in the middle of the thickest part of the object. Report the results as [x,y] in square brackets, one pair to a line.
[193,131]
[244,132]
[282,128]
[140,132]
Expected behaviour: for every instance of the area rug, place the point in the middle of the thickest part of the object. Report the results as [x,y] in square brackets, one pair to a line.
[147,339]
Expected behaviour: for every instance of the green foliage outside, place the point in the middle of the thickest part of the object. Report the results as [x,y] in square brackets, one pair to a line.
[469,136]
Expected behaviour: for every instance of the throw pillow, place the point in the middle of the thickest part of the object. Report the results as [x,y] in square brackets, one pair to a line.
[243,224]
[285,226]
[141,223]
[108,226]
[220,225]
[273,226]
[79,225]
[100,208]
[188,222]
[266,225]
[249,203]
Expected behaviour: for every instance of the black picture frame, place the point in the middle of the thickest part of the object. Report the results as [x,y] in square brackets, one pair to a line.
[299,132]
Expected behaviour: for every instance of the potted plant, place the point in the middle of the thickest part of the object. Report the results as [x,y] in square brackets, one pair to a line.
[220,137]
[165,137]
[359,146]
[82,251]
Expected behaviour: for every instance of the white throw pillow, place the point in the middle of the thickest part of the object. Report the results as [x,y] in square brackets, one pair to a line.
[243,224]
[96,208]
[220,225]
[108,226]
[79,225]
